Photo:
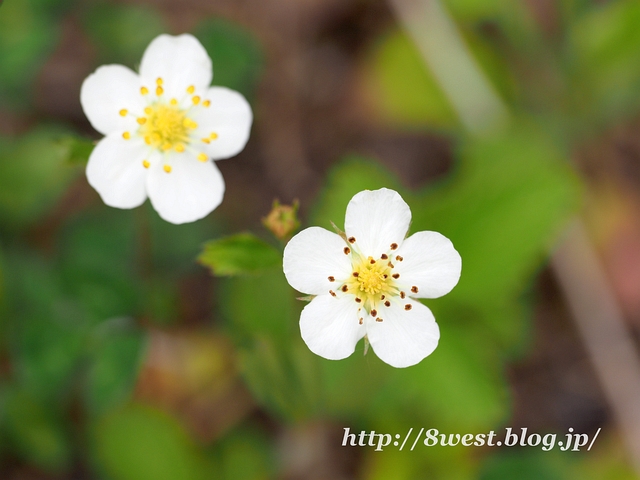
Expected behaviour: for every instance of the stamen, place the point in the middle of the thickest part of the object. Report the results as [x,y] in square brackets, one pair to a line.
[391,265]
[361,321]
[382,297]
[141,120]
[352,239]
[159,91]
[355,274]
[414,289]
[407,306]
[332,279]
[371,261]
[374,312]
[191,89]
[173,102]
[402,295]
[213,136]
[159,81]
[384,256]
[144,90]
[206,103]
[358,300]
[196,100]
[206,140]
[378,319]
[202,157]
[394,246]
[399,258]
[167,168]
[147,140]
[123,112]
[333,294]
[179,148]
[146,164]
[396,276]
[126,135]
[344,288]
[148,110]
[387,303]
[347,250]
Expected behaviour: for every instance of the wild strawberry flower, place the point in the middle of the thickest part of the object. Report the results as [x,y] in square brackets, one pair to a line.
[162,129]
[366,281]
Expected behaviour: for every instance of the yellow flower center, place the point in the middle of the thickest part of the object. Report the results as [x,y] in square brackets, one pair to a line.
[166,127]
[372,276]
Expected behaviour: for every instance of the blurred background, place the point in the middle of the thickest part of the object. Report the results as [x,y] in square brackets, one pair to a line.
[133,349]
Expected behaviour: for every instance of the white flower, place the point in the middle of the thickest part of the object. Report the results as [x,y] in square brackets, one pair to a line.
[162,128]
[366,283]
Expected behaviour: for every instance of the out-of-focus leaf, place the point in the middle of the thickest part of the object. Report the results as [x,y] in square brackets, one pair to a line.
[236,55]
[139,443]
[402,88]
[34,171]
[121,31]
[78,149]
[502,211]
[115,358]
[238,254]
[27,36]
[47,329]
[244,453]
[34,432]
[283,379]
[525,464]
[605,61]
[97,263]
[260,304]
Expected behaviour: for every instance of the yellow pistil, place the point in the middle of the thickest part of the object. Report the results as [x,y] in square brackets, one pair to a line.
[372,281]
[166,127]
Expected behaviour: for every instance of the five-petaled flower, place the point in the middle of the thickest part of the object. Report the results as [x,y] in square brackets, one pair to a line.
[366,281]
[162,128]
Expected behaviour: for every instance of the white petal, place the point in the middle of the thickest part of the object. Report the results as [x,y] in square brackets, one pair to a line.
[189,192]
[311,257]
[430,263]
[404,337]
[115,170]
[377,219]
[229,116]
[107,91]
[180,61]
[330,326]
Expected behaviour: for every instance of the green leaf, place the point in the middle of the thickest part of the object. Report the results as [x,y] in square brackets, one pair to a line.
[402,88]
[115,357]
[34,172]
[237,57]
[34,432]
[27,36]
[122,32]
[139,443]
[239,254]
[78,149]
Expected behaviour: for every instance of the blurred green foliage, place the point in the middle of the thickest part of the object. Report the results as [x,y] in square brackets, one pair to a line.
[78,295]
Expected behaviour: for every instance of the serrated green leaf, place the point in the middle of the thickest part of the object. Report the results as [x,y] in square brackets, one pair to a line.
[239,254]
